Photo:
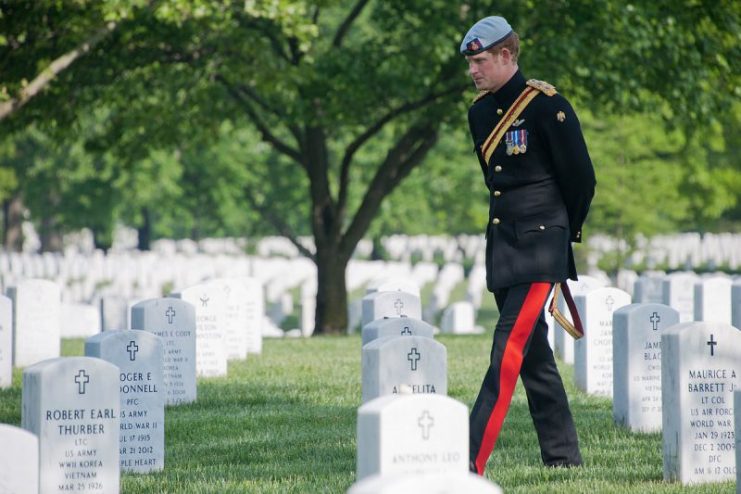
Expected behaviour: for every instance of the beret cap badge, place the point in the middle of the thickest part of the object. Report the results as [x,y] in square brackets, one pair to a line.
[474,45]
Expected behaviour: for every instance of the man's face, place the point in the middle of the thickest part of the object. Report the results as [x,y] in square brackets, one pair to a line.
[488,71]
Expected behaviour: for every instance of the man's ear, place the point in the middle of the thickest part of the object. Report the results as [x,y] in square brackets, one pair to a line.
[506,56]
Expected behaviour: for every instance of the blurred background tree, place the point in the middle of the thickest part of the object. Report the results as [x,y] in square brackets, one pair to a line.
[192,118]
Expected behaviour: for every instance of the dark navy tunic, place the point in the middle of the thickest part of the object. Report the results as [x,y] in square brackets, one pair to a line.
[540,197]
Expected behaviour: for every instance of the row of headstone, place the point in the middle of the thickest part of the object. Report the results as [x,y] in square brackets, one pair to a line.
[411,437]
[229,320]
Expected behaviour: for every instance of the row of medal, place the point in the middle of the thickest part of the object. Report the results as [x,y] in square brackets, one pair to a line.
[516,141]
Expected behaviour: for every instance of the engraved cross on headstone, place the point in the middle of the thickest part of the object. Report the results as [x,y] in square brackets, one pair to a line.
[170,314]
[609,302]
[425,423]
[655,320]
[81,379]
[406,331]
[413,357]
[204,300]
[398,305]
[712,344]
[132,349]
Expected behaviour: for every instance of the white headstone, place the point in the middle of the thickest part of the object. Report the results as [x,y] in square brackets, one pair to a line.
[713,299]
[36,332]
[636,364]
[737,410]
[254,313]
[6,342]
[679,293]
[563,342]
[396,326]
[114,313]
[209,303]
[172,320]
[378,305]
[593,352]
[72,404]
[19,461]
[234,320]
[649,290]
[425,483]
[78,320]
[459,318]
[393,284]
[138,355]
[399,364]
[412,434]
[700,368]
[736,305]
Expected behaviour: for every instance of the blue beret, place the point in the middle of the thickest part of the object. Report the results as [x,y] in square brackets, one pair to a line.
[484,34]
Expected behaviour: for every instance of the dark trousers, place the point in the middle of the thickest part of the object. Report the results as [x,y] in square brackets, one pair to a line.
[521,348]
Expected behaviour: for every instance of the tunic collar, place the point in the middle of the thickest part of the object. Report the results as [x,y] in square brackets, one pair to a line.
[507,94]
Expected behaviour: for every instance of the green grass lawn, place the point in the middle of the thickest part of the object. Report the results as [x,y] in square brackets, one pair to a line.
[285,422]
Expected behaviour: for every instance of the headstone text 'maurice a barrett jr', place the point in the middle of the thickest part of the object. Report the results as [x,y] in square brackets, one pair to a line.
[700,369]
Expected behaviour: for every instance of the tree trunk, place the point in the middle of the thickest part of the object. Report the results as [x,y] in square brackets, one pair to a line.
[331,297]
[51,239]
[145,231]
[12,224]
[102,240]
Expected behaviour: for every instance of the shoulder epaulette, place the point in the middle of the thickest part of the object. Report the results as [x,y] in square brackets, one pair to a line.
[542,86]
[480,95]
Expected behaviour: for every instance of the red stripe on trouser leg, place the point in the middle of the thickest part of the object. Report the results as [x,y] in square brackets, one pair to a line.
[510,367]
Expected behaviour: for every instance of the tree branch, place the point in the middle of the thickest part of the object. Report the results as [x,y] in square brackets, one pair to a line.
[376,127]
[43,79]
[265,132]
[345,26]
[407,153]
[277,223]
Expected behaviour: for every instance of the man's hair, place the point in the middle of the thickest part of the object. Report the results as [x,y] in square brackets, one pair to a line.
[512,43]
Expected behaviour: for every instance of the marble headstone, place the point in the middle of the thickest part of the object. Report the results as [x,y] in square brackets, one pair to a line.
[399,364]
[649,290]
[396,326]
[636,364]
[209,303]
[593,352]
[79,320]
[113,313]
[254,313]
[138,355]
[36,311]
[713,299]
[700,368]
[6,342]
[378,305]
[736,305]
[172,320]
[19,461]
[737,410]
[72,404]
[426,483]
[459,318]
[562,341]
[412,434]
[234,320]
[678,290]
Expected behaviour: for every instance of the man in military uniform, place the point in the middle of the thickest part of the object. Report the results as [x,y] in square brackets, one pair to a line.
[537,168]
